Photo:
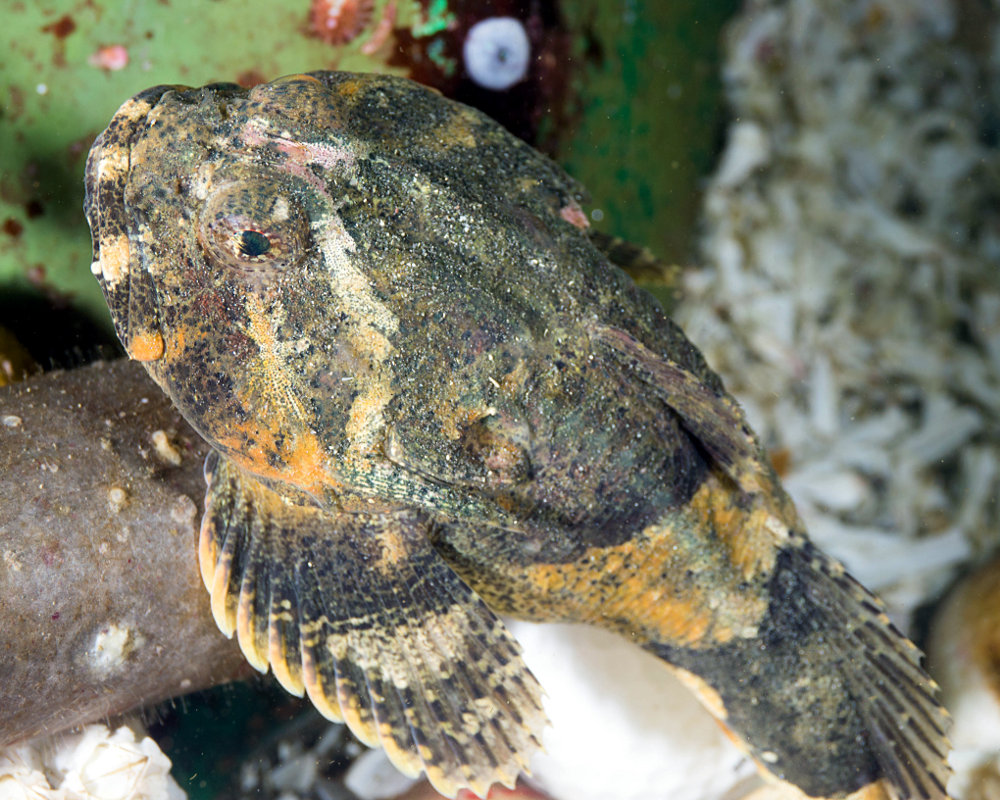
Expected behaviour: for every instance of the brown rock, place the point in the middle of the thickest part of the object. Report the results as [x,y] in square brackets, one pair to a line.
[102,609]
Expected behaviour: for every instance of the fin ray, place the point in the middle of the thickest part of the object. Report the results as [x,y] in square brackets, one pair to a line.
[920,743]
[360,613]
[892,693]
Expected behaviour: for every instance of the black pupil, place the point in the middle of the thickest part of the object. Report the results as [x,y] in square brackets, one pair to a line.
[253,243]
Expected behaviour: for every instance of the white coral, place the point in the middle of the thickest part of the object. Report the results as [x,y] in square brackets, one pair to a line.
[93,764]
[848,274]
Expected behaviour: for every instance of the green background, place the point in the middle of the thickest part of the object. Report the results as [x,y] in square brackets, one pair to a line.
[644,136]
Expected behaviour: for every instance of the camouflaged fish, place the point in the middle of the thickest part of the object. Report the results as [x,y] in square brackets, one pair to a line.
[432,400]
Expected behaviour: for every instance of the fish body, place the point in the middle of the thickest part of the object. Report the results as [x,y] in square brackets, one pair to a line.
[432,400]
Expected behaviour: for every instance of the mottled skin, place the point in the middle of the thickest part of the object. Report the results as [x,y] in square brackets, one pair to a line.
[432,399]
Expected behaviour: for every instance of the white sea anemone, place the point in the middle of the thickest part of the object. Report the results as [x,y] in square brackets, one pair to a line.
[497,53]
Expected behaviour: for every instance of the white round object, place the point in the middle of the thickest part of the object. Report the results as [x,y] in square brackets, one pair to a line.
[623,726]
[497,53]
[372,776]
[968,681]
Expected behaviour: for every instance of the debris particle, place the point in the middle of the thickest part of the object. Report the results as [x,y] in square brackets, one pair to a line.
[11,561]
[165,449]
[184,510]
[110,57]
[11,421]
[94,763]
[112,646]
[117,498]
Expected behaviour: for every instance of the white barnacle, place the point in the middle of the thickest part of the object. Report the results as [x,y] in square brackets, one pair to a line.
[111,647]
[117,499]
[497,53]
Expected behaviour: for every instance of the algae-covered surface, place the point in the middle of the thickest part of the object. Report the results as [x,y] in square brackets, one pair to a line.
[630,87]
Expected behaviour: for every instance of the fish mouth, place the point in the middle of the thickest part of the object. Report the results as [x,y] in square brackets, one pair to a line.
[106,177]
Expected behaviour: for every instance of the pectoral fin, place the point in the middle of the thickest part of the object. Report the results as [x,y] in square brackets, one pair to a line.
[363,615]
[641,264]
[711,416]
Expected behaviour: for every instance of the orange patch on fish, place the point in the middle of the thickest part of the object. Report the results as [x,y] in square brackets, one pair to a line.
[302,460]
[146,346]
[746,532]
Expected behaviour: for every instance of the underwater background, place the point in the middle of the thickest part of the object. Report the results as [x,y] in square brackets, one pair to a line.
[826,175]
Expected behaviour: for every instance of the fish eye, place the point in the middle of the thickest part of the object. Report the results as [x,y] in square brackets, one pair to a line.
[253,230]
[253,243]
